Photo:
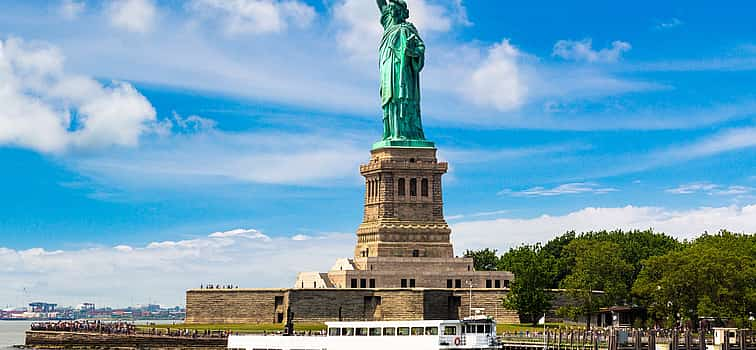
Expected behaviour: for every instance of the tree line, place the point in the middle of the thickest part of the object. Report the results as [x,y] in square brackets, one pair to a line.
[712,276]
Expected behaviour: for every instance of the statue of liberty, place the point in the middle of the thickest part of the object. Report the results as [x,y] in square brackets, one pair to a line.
[402,57]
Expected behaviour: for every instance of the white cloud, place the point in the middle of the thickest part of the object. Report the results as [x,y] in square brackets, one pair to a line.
[504,233]
[360,28]
[497,81]
[301,238]
[692,188]
[137,16]
[242,233]
[724,141]
[47,110]
[162,271]
[71,9]
[730,140]
[215,156]
[244,257]
[735,191]
[570,188]
[464,82]
[710,189]
[192,123]
[256,16]
[669,24]
[583,51]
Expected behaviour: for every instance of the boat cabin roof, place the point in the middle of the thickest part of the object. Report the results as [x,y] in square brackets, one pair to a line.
[419,323]
[368,324]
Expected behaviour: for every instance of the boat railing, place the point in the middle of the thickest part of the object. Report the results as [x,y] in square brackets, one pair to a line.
[467,340]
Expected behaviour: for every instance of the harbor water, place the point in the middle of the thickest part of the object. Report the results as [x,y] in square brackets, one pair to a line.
[12,333]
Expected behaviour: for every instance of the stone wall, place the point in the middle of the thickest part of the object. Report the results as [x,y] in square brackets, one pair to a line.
[322,305]
[235,305]
[490,300]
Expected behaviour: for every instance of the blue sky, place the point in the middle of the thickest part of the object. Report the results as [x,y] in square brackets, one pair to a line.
[133,124]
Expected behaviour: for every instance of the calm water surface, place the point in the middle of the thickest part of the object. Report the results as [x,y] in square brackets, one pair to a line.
[12,332]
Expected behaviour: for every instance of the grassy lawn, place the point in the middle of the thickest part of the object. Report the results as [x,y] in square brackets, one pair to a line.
[525,327]
[239,327]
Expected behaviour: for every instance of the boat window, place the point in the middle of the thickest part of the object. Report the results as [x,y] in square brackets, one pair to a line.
[481,329]
[334,332]
[361,331]
[450,330]
[488,328]
[417,330]
[431,330]
[347,332]
[389,331]
[374,332]
[402,331]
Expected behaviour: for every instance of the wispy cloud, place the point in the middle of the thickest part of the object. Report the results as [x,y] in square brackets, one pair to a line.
[710,189]
[729,140]
[564,189]
[673,22]
[692,188]
[241,257]
[730,63]
[71,9]
[255,16]
[478,215]
[466,156]
[582,50]
[725,141]
[137,16]
[508,232]
[221,157]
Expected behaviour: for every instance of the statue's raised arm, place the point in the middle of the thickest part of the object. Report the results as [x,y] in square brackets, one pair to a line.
[381,4]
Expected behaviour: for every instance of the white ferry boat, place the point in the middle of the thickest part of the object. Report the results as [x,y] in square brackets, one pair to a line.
[469,334]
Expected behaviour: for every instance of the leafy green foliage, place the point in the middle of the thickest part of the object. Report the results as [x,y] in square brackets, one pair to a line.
[714,276]
[484,259]
[528,294]
[595,266]
[554,250]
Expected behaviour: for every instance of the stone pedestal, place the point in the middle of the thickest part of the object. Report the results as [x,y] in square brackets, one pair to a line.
[403,205]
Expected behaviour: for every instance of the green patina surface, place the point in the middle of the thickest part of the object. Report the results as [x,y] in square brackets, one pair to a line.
[404,143]
[401,58]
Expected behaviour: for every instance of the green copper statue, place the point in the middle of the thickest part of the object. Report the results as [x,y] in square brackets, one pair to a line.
[402,57]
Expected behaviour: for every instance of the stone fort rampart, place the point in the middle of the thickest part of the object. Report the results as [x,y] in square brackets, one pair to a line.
[322,305]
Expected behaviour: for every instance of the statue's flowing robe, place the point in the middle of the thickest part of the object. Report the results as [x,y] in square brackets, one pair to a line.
[402,57]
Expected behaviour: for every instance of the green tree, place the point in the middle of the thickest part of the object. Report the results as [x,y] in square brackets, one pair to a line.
[636,246]
[715,276]
[484,259]
[533,275]
[596,266]
[554,249]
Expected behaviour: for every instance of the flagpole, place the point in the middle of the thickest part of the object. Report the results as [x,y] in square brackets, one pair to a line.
[544,332]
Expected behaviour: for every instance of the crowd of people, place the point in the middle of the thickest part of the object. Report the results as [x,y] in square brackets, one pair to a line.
[125,328]
[218,286]
[86,326]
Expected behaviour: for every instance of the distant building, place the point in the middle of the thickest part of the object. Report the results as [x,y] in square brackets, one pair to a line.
[86,307]
[39,307]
